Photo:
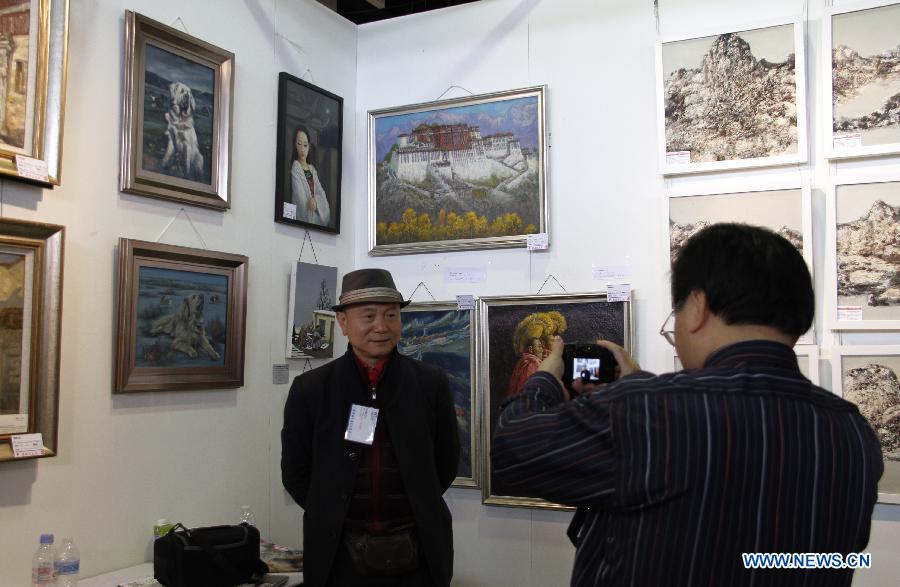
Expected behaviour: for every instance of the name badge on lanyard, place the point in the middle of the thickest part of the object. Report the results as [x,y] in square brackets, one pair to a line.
[361,425]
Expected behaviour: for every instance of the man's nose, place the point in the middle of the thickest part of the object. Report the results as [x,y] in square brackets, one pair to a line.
[380,324]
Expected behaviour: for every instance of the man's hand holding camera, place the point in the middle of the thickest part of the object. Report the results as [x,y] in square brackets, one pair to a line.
[555,365]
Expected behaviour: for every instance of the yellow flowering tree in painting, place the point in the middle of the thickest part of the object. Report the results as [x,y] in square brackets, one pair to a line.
[419,227]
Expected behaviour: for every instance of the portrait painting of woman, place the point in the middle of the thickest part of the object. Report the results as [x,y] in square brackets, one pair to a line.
[308,156]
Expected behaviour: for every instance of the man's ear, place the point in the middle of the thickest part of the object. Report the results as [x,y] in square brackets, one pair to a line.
[697,311]
[342,321]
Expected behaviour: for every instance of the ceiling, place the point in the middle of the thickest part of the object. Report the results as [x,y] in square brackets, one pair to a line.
[363,11]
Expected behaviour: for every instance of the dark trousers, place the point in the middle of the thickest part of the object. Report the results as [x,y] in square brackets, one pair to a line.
[343,574]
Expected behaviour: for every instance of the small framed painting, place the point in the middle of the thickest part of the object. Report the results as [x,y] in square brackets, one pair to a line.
[308,155]
[176,123]
[311,321]
[181,318]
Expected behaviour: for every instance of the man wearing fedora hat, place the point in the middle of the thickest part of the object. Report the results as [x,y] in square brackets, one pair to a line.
[369,446]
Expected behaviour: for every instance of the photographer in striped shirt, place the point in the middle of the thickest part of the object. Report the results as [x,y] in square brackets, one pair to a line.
[676,475]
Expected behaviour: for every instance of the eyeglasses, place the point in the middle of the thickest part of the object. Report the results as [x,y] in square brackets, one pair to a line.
[668,329]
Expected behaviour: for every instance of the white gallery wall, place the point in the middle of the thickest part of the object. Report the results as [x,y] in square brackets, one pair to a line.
[125,461]
[607,202]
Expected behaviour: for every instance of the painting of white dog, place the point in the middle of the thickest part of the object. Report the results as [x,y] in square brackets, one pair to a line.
[182,317]
[179,102]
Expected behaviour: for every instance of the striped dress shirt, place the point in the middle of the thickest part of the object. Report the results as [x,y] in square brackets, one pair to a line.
[683,472]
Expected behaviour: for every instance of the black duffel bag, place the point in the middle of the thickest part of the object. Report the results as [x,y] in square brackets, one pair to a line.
[217,555]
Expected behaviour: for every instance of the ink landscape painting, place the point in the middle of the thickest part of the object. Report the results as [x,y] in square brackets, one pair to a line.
[731,96]
[455,173]
[868,249]
[778,210]
[865,71]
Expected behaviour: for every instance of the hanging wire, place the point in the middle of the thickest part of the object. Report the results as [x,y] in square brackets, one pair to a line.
[197,232]
[549,277]
[306,365]
[656,14]
[183,26]
[422,284]
[450,88]
[307,237]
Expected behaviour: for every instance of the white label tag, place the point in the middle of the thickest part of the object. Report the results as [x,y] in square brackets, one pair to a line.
[28,445]
[611,272]
[849,313]
[678,157]
[289,211]
[538,241]
[465,302]
[14,424]
[465,275]
[618,292]
[847,140]
[31,168]
[361,426]
[280,374]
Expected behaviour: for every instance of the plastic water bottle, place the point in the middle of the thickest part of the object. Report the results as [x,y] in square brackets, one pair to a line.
[43,574]
[247,516]
[67,564]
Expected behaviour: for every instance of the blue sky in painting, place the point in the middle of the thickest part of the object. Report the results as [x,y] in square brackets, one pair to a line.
[518,116]
[175,68]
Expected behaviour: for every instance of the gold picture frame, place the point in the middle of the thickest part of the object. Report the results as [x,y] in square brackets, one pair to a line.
[31,271]
[33,41]
[181,318]
[176,116]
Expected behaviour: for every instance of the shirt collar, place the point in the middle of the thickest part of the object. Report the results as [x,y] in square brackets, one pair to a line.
[753,352]
[371,373]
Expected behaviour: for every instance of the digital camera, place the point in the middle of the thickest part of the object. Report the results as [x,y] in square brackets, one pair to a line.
[589,362]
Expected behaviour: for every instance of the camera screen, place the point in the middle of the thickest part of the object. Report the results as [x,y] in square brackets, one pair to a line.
[589,364]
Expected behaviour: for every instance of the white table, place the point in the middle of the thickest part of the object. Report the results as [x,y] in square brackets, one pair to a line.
[145,570]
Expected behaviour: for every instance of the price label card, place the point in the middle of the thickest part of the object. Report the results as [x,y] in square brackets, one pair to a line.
[538,242]
[618,292]
[361,425]
[280,374]
[611,272]
[847,140]
[678,157]
[850,313]
[465,275]
[289,211]
[32,168]
[465,302]
[27,445]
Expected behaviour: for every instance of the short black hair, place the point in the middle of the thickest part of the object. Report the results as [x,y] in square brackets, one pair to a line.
[750,275]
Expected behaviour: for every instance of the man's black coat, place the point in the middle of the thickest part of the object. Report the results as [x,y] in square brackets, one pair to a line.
[318,467]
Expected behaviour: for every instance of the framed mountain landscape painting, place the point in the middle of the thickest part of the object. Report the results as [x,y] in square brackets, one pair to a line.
[461,174]
[732,99]
[863,79]
[864,252]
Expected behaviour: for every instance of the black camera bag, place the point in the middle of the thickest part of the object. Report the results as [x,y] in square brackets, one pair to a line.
[217,555]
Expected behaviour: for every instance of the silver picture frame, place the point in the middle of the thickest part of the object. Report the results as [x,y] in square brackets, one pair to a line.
[621,330]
